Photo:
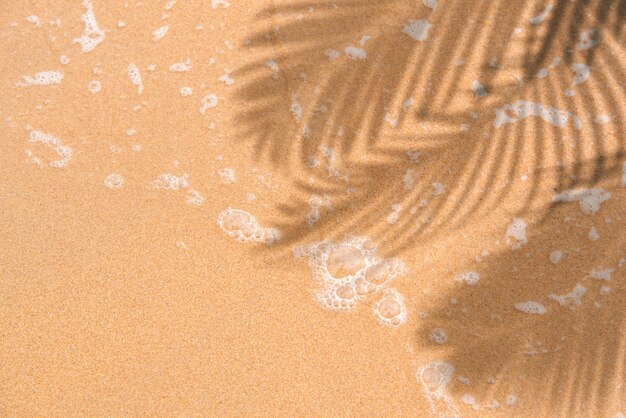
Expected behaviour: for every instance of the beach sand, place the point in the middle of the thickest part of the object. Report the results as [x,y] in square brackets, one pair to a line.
[478,144]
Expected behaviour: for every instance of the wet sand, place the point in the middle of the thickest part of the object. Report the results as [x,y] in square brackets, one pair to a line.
[121,295]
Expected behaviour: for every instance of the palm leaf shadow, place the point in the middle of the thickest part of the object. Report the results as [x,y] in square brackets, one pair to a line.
[341,145]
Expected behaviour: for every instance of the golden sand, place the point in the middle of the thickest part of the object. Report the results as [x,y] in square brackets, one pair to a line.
[479,144]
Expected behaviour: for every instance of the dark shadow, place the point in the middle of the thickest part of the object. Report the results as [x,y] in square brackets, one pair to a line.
[343,146]
[390,128]
[570,361]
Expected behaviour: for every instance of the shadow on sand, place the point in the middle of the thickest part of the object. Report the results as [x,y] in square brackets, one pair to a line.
[359,115]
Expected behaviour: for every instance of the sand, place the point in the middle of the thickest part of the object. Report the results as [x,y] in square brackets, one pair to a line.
[481,144]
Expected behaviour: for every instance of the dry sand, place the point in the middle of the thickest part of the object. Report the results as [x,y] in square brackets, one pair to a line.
[121,298]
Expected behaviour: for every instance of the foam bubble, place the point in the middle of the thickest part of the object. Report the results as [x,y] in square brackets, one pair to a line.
[135,77]
[556,256]
[432,4]
[469,277]
[181,66]
[571,299]
[516,234]
[208,102]
[601,273]
[194,198]
[227,175]
[63,151]
[537,20]
[349,265]
[244,227]
[390,309]
[94,86]
[531,307]
[114,181]
[172,182]
[355,53]
[434,378]
[42,78]
[524,109]
[582,73]
[92,35]
[417,29]
[439,336]
[159,33]
[219,3]
[588,39]
[589,199]
[479,89]
[186,91]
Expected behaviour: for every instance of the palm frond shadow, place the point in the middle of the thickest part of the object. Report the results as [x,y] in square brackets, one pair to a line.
[340,144]
[349,130]
[568,362]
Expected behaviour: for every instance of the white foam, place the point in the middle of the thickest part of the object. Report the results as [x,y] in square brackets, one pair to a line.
[469,277]
[316,202]
[244,227]
[537,20]
[432,4]
[571,299]
[332,53]
[347,271]
[92,35]
[593,234]
[624,174]
[479,89]
[186,91]
[114,181]
[601,273]
[34,20]
[181,66]
[390,309]
[516,234]
[172,182]
[523,109]
[588,39]
[602,119]
[439,336]
[63,151]
[194,198]
[208,102]
[589,199]
[159,33]
[42,78]
[434,378]
[417,29]
[135,77]
[582,73]
[273,65]
[392,218]
[555,256]
[531,307]
[355,53]
[227,175]
[296,108]
[226,79]
[219,3]
[94,86]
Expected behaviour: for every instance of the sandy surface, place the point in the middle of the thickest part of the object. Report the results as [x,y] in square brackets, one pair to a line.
[479,144]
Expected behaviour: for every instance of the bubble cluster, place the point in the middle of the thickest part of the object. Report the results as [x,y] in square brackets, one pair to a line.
[531,307]
[516,234]
[523,109]
[168,181]
[244,227]
[348,271]
[135,77]
[114,181]
[92,34]
[571,299]
[63,151]
[588,199]
[434,378]
[469,277]
[42,78]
